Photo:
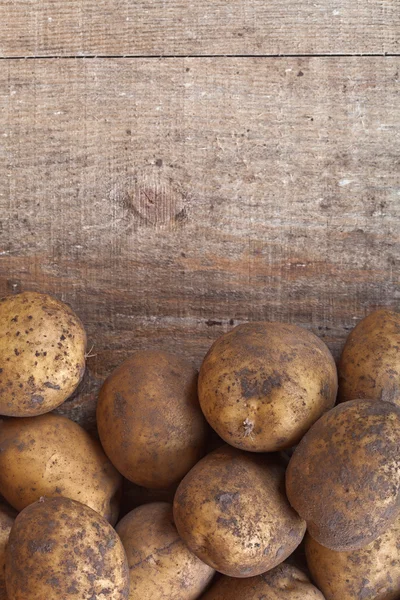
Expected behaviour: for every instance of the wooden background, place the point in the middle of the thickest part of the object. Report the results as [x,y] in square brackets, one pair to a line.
[172,168]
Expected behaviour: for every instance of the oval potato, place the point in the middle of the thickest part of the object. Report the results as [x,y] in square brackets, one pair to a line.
[42,354]
[50,455]
[344,476]
[262,385]
[7,518]
[370,363]
[284,582]
[59,548]
[232,512]
[160,564]
[149,419]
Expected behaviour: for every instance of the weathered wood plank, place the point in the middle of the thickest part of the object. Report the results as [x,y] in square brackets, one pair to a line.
[168,200]
[184,27]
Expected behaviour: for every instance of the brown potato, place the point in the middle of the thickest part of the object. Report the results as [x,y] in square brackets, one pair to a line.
[42,354]
[344,476]
[232,512]
[149,419]
[50,455]
[284,582]
[160,564]
[370,363]
[370,573]
[61,549]
[7,518]
[262,385]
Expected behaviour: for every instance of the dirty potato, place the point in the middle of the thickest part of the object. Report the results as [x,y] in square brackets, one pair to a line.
[370,363]
[50,455]
[370,573]
[149,419]
[42,354]
[262,385]
[59,548]
[344,476]
[232,512]
[284,582]
[160,564]
[7,517]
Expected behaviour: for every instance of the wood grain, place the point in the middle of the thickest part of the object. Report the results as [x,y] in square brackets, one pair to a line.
[168,200]
[186,27]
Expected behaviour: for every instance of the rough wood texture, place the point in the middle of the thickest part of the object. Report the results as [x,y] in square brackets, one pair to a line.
[167,200]
[183,27]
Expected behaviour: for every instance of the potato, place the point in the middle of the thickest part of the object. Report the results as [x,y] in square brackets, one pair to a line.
[7,517]
[42,354]
[344,476]
[60,549]
[263,385]
[370,363]
[370,573]
[50,455]
[149,419]
[232,512]
[284,582]
[160,564]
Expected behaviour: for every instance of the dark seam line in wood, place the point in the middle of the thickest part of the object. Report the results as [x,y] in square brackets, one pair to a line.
[168,56]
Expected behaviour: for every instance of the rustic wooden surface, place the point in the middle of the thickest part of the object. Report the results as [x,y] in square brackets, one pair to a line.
[154,27]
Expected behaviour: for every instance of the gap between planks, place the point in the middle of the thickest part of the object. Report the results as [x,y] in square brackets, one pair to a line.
[177,56]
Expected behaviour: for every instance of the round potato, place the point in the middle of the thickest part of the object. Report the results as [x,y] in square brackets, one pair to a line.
[7,517]
[263,385]
[160,564]
[370,363]
[370,573]
[149,419]
[232,512]
[284,582]
[344,476]
[42,354]
[50,455]
[59,548]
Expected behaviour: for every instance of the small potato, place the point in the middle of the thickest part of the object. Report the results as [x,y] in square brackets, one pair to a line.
[262,385]
[160,564]
[60,549]
[42,354]
[284,582]
[370,363]
[344,476]
[50,455]
[371,573]
[7,517]
[232,512]
[149,419]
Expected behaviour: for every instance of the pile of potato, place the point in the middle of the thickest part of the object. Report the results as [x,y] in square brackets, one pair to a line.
[229,470]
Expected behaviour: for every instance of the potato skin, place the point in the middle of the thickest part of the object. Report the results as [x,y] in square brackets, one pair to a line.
[262,385]
[370,363]
[160,564]
[50,455]
[42,354]
[59,548]
[284,582]
[149,419]
[232,512]
[344,476]
[7,518]
[370,573]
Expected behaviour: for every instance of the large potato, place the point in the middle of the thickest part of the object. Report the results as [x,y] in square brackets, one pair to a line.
[370,573]
[7,517]
[42,354]
[284,582]
[263,385]
[232,512]
[149,419]
[50,455]
[60,549]
[344,476]
[160,564]
[370,363]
